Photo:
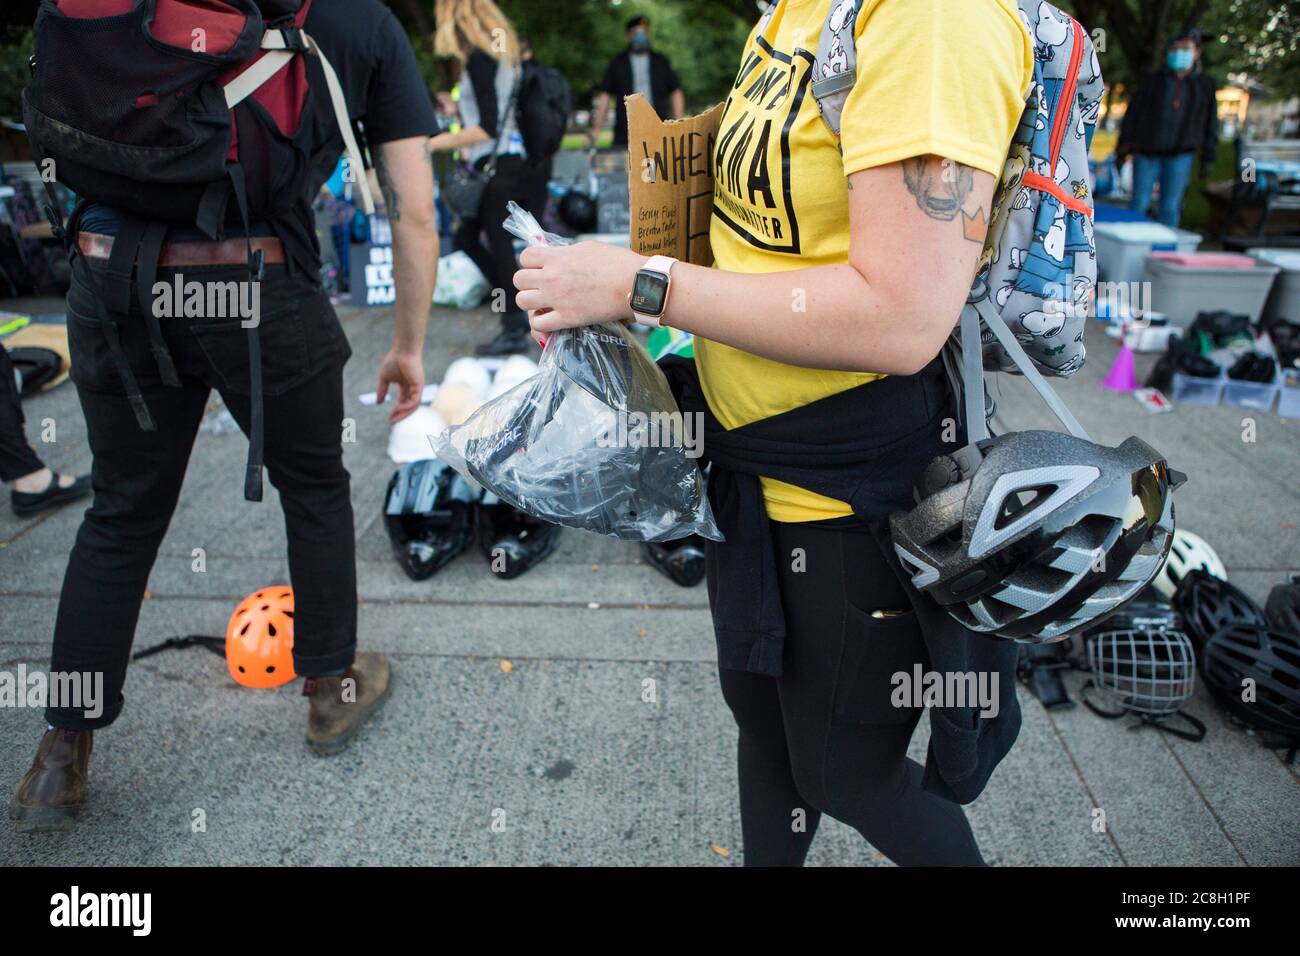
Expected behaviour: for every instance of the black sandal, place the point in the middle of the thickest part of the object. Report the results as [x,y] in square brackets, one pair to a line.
[29,503]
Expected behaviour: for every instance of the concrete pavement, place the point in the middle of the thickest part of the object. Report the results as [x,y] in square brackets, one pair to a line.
[557,759]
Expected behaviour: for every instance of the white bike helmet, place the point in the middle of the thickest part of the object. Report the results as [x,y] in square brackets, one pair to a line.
[1187,551]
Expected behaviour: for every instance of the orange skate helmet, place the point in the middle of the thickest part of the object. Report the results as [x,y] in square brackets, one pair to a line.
[259,639]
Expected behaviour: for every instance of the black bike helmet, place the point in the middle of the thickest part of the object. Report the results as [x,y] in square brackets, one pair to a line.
[682,562]
[1208,604]
[578,211]
[1035,535]
[512,540]
[1270,659]
[1146,612]
[428,516]
[1283,606]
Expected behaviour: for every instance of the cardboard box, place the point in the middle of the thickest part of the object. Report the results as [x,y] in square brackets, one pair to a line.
[670,182]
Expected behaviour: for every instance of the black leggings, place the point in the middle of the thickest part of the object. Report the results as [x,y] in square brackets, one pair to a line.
[17,459]
[526,185]
[824,737]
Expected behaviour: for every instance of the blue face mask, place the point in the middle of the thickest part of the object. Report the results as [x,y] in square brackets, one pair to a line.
[1180,59]
[640,40]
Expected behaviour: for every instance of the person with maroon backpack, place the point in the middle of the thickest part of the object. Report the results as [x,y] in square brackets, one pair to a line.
[196,133]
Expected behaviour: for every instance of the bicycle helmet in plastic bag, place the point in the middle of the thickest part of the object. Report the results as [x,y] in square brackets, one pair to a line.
[1187,551]
[428,515]
[1208,604]
[593,441]
[1034,535]
[1270,660]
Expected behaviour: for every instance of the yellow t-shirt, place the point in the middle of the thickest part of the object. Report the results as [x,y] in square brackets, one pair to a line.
[943,77]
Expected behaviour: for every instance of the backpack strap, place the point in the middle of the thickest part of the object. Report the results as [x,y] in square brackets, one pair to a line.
[973,372]
[256,427]
[281,46]
[835,68]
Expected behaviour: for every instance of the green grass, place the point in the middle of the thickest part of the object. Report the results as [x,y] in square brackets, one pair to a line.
[579,140]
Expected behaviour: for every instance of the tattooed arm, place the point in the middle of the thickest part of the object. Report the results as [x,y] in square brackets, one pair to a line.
[405,178]
[917,230]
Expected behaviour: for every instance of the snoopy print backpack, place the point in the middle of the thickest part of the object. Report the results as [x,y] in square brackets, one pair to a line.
[1038,269]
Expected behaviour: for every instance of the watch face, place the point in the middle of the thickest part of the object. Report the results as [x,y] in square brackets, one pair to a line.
[649,292]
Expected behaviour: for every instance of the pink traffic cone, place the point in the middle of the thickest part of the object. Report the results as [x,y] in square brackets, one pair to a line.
[1122,376]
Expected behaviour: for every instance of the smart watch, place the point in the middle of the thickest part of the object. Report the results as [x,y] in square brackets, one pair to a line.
[649,295]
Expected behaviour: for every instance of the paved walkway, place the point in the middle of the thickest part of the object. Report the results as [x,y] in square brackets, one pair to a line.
[560,747]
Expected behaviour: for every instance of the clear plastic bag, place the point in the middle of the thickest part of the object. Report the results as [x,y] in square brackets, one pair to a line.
[594,440]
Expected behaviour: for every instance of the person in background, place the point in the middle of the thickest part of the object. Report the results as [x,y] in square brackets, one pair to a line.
[33,488]
[485,50]
[638,69]
[1172,116]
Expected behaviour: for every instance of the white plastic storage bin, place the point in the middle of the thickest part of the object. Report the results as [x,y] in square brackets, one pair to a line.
[1258,395]
[1199,391]
[1284,300]
[1123,247]
[1183,284]
[1288,398]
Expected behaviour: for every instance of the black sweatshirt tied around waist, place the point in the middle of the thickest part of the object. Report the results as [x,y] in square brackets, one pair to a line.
[864,446]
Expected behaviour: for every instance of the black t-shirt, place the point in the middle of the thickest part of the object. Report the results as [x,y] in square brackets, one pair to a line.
[381,80]
[386,96]
[618,83]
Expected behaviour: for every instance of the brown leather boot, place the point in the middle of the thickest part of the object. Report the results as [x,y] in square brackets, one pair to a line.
[340,705]
[50,796]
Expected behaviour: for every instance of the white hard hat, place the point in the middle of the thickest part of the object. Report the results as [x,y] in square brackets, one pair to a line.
[408,440]
[471,372]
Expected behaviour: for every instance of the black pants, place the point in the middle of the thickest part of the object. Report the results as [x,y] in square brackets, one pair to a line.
[16,456]
[825,737]
[495,258]
[137,474]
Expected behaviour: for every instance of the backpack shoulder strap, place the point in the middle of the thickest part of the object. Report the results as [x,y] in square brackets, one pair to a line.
[280,45]
[835,68]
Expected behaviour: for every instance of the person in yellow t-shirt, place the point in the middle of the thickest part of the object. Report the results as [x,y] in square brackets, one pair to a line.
[837,264]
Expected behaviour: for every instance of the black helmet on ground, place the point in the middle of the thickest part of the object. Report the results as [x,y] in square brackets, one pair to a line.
[577,210]
[1209,604]
[512,540]
[1254,672]
[682,562]
[1283,606]
[428,515]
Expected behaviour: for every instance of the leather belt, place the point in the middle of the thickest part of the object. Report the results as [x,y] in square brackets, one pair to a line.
[221,252]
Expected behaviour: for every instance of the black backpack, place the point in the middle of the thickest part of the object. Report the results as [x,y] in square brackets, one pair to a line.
[164,108]
[545,101]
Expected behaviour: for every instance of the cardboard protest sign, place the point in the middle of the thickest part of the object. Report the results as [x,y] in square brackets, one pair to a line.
[670,181]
